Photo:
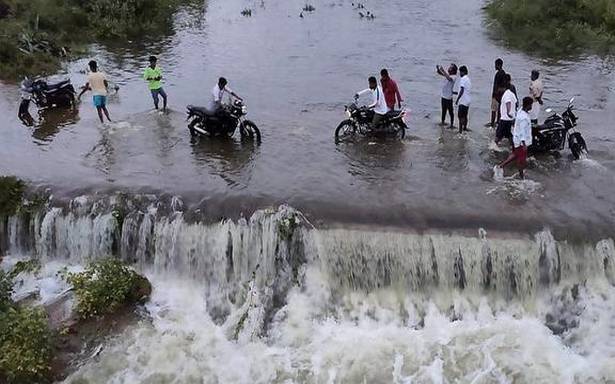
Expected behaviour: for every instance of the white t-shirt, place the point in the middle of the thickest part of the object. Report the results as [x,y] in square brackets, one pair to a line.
[378,100]
[216,96]
[536,90]
[448,87]
[508,97]
[466,84]
[522,131]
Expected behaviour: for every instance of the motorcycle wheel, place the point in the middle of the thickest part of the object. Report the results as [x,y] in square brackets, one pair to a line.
[577,145]
[398,130]
[249,130]
[345,131]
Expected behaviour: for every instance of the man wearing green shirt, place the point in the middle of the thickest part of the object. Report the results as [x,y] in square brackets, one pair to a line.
[153,75]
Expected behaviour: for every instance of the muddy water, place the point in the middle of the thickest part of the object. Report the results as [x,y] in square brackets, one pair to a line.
[296,75]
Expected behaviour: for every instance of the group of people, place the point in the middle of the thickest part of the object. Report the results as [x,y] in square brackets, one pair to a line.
[510,121]
[97,83]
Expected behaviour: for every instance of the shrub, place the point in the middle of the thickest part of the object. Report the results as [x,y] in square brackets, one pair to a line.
[105,286]
[11,195]
[555,27]
[25,342]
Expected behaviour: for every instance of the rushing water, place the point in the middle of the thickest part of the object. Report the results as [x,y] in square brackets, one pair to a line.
[271,299]
[296,75]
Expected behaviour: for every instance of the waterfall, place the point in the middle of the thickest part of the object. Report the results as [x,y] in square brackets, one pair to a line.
[247,266]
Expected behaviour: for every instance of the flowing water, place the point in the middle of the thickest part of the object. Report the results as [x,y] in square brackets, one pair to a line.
[397,263]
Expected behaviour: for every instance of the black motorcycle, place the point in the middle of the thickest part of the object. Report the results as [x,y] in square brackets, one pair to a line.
[552,135]
[223,122]
[359,122]
[46,95]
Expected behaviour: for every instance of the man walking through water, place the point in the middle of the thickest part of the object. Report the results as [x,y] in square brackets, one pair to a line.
[448,86]
[508,111]
[536,91]
[497,92]
[522,139]
[153,76]
[97,83]
[390,90]
[378,104]
[464,99]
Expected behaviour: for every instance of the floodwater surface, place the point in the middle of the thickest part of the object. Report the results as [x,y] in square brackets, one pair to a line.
[296,74]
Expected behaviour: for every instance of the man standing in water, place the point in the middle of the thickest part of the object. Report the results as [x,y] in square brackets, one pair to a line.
[450,77]
[97,83]
[522,139]
[390,90]
[497,92]
[378,104]
[536,91]
[153,76]
[464,99]
[508,110]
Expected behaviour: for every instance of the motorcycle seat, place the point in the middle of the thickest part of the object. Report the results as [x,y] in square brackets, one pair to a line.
[204,111]
[393,113]
[55,86]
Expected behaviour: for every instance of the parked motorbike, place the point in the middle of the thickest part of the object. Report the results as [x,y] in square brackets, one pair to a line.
[46,95]
[359,122]
[223,122]
[552,135]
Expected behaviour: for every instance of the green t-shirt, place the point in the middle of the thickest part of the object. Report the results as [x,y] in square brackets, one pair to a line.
[151,74]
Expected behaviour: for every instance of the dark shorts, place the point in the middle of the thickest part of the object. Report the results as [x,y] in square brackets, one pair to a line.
[504,130]
[99,101]
[463,111]
[521,156]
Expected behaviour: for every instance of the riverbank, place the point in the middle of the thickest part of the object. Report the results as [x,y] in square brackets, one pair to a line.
[539,27]
[39,35]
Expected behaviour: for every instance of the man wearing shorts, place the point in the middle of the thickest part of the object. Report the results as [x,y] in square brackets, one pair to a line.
[97,83]
[464,99]
[153,76]
[522,138]
[508,112]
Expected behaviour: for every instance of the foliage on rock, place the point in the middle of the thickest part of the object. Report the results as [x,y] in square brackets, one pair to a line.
[105,286]
[11,195]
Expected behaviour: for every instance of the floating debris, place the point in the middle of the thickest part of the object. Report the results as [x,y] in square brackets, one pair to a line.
[246,12]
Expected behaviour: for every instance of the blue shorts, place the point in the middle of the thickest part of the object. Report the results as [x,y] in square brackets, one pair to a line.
[100,101]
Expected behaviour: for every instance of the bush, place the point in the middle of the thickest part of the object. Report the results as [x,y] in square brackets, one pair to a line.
[105,286]
[555,27]
[11,195]
[25,342]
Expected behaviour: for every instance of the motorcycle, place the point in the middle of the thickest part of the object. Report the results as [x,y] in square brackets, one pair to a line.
[553,133]
[46,95]
[223,122]
[359,122]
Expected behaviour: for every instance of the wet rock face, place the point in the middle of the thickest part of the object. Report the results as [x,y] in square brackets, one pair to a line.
[5,10]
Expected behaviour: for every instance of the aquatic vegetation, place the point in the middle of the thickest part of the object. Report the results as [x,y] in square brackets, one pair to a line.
[562,27]
[38,34]
[287,226]
[105,286]
[11,195]
[25,337]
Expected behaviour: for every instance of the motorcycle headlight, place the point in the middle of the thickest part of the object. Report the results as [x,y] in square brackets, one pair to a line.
[244,109]
[348,114]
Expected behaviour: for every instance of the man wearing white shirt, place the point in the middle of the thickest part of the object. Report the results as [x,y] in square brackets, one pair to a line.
[464,99]
[508,111]
[217,94]
[378,104]
[521,137]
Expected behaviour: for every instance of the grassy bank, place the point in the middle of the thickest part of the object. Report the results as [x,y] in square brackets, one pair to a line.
[557,27]
[36,35]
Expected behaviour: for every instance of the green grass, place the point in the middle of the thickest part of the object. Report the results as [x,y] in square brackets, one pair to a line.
[557,27]
[37,35]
